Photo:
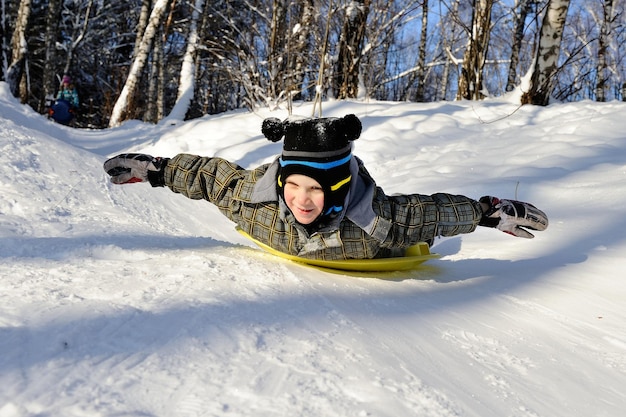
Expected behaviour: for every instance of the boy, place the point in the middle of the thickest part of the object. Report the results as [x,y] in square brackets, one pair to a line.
[317,200]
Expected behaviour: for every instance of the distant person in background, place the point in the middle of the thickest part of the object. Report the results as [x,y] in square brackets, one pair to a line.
[65,108]
[68,92]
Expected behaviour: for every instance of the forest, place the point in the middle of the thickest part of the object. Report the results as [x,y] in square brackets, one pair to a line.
[152,59]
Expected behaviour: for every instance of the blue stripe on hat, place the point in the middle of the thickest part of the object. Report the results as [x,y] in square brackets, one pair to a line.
[316,165]
[335,209]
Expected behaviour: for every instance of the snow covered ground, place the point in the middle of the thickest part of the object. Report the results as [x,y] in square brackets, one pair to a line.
[133,301]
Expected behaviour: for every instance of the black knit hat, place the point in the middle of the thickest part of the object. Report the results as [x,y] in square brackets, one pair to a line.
[320,148]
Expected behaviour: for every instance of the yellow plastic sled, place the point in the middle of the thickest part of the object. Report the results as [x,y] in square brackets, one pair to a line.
[414,256]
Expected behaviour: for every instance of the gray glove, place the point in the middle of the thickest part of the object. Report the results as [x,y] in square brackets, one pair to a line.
[129,168]
[513,217]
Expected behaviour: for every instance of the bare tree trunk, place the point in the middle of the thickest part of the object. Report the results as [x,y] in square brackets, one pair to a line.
[518,37]
[187,72]
[155,80]
[603,42]
[160,85]
[15,75]
[421,62]
[322,69]
[50,83]
[140,29]
[144,15]
[416,74]
[278,35]
[471,79]
[449,57]
[121,105]
[79,31]
[350,49]
[542,78]
[299,60]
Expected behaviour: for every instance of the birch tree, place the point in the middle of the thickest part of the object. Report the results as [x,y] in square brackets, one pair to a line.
[154,97]
[523,8]
[471,80]
[603,44]
[19,47]
[448,40]
[50,83]
[278,38]
[187,71]
[421,60]
[144,16]
[299,47]
[350,49]
[547,57]
[130,86]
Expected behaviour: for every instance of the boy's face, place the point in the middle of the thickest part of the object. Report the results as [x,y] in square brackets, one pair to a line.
[304,197]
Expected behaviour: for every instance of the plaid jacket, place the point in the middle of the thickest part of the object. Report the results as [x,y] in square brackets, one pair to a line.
[374,224]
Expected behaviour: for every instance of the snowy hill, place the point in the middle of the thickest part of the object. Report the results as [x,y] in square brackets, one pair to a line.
[133,301]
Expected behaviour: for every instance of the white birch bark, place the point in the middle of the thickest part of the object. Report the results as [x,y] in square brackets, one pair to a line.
[121,105]
[19,46]
[603,45]
[548,51]
[187,71]
[471,79]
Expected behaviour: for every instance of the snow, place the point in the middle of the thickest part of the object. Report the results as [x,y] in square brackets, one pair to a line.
[133,301]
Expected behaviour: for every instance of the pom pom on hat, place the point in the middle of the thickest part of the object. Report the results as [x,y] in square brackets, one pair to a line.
[320,148]
[352,127]
[273,129]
